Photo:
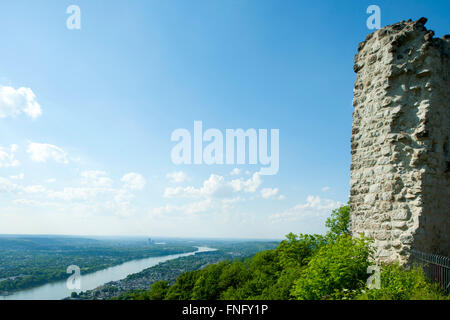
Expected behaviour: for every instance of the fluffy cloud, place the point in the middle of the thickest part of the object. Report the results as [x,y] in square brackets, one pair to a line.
[77,194]
[96,178]
[235,172]
[123,197]
[190,208]
[20,176]
[133,181]
[41,152]
[14,188]
[13,102]
[188,192]
[177,177]
[7,157]
[216,186]
[325,189]
[250,185]
[31,203]
[313,208]
[34,189]
[94,194]
[8,186]
[216,193]
[267,193]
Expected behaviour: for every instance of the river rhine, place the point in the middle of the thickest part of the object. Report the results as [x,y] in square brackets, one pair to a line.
[58,290]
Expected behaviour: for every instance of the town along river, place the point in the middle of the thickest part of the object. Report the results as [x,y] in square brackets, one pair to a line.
[58,290]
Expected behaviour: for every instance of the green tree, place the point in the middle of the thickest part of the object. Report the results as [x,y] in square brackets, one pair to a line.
[207,285]
[182,288]
[297,249]
[281,289]
[339,222]
[233,275]
[158,290]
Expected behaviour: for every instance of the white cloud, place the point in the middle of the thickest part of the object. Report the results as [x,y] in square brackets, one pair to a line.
[250,185]
[96,196]
[177,177]
[96,178]
[216,186]
[13,102]
[94,192]
[34,189]
[77,194]
[7,186]
[215,195]
[325,189]
[123,197]
[313,208]
[7,157]
[188,192]
[189,208]
[235,172]
[32,203]
[123,203]
[267,193]
[41,152]
[20,176]
[133,181]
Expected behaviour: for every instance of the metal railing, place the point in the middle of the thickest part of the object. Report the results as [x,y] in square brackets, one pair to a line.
[435,267]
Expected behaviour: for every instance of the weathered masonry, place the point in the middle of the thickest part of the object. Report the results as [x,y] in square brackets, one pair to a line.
[400,170]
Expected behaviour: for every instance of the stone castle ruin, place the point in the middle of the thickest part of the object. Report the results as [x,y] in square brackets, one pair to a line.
[400,170]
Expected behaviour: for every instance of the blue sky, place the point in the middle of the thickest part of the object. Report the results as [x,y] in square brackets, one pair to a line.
[91,152]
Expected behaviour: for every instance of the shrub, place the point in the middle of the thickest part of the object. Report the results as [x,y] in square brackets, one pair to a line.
[335,269]
[400,284]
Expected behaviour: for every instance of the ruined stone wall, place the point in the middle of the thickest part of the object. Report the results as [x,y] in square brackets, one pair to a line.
[400,170]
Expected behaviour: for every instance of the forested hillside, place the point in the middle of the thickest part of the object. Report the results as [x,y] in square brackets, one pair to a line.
[304,267]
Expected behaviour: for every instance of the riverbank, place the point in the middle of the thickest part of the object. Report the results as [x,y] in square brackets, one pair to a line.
[28,261]
[164,271]
[58,290]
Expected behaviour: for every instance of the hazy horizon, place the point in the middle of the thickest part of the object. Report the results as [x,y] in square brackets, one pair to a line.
[135,236]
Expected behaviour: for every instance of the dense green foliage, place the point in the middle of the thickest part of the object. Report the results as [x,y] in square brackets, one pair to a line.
[136,284]
[400,284]
[301,267]
[336,266]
